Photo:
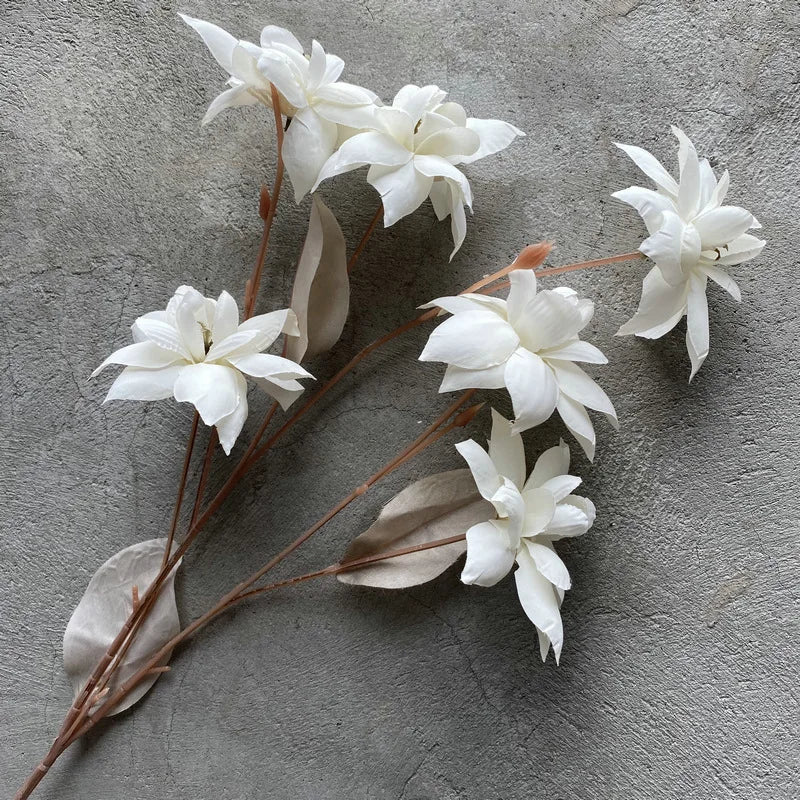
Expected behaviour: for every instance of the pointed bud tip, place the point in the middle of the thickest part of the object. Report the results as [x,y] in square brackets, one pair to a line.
[533,255]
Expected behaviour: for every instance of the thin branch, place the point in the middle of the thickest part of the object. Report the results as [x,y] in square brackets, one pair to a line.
[365,238]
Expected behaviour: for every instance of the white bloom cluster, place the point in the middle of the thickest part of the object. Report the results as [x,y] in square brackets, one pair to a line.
[692,237]
[197,352]
[412,147]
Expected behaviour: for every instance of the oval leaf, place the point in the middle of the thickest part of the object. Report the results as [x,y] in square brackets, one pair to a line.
[106,605]
[321,294]
[436,507]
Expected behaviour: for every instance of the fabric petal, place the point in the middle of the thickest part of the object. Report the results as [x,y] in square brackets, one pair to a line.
[740,249]
[573,381]
[264,365]
[719,226]
[506,450]
[456,378]
[482,468]
[162,334]
[489,555]
[146,355]
[235,97]
[688,201]
[450,143]
[578,423]
[402,189]
[549,564]
[650,205]
[521,294]
[540,505]
[547,321]
[720,277]
[370,147]
[272,35]
[416,100]
[664,247]
[651,167]
[494,135]
[218,41]
[659,309]
[697,338]
[532,387]
[229,428]
[561,485]
[550,464]
[226,318]
[539,600]
[307,146]
[214,390]
[136,383]
[285,392]
[568,521]
[471,340]
[575,350]
[269,327]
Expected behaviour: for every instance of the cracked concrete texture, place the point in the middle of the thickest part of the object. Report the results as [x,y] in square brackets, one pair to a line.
[679,672]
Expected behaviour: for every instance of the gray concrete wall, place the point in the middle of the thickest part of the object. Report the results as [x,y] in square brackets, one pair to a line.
[679,673]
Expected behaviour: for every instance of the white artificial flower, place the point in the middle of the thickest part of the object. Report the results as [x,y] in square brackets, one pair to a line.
[412,149]
[527,344]
[310,93]
[197,352]
[692,235]
[531,515]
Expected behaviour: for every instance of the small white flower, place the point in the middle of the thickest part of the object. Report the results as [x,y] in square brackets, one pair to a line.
[310,93]
[531,515]
[528,345]
[197,352]
[412,149]
[692,235]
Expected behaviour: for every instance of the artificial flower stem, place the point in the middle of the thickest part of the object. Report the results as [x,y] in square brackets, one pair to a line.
[365,238]
[422,441]
[201,484]
[181,488]
[258,269]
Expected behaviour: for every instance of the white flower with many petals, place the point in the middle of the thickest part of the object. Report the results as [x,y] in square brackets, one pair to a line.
[309,88]
[692,236]
[527,344]
[531,515]
[412,152]
[197,352]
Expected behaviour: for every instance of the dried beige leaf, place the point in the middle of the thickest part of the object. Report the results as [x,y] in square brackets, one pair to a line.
[436,507]
[106,605]
[321,294]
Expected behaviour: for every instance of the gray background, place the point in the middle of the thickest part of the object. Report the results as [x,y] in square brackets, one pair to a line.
[679,672]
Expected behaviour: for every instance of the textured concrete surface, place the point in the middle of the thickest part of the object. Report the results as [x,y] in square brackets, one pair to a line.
[679,673]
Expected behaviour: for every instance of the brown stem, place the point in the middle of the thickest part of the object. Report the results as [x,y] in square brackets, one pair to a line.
[255,279]
[415,447]
[365,238]
[201,484]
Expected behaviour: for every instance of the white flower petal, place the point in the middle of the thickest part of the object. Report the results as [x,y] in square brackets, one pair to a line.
[688,202]
[189,328]
[575,350]
[489,555]
[371,147]
[483,470]
[549,564]
[440,199]
[550,464]
[660,308]
[147,355]
[136,383]
[226,318]
[664,247]
[521,294]
[651,167]
[307,146]
[434,166]
[402,189]
[469,302]
[494,135]
[214,390]
[720,277]
[456,378]
[229,428]
[472,340]
[539,600]
[272,35]
[577,421]
[276,68]
[650,205]
[720,192]
[264,365]
[450,143]
[532,387]
[454,112]
[285,392]
[235,97]
[162,334]
[739,250]
[506,450]
[219,42]
[573,381]
[697,339]
[318,64]
[719,226]
[415,100]
[568,521]
[269,327]
[540,505]
[708,183]
[548,320]
[458,219]
[561,485]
